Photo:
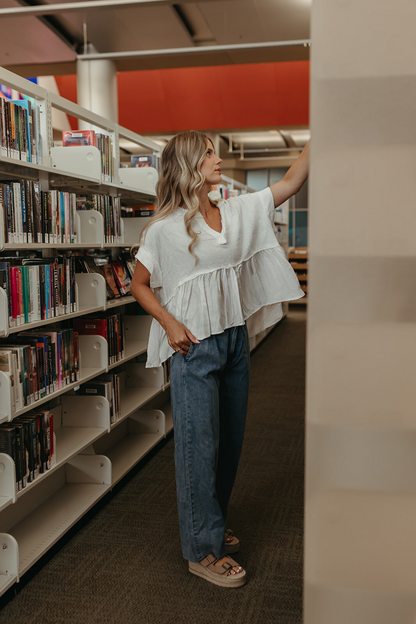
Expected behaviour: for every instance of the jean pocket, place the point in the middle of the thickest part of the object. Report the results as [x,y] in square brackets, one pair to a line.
[190,350]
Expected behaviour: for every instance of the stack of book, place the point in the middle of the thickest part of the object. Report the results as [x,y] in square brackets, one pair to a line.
[101,141]
[117,273]
[29,442]
[39,363]
[38,288]
[109,327]
[20,130]
[138,211]
[110,208]
[35,216]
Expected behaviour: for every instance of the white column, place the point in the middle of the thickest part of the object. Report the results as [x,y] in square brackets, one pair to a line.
[360,528]
[97,87]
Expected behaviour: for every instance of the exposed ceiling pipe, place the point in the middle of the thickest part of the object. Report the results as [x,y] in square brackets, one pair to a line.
[194,50]
[66,7]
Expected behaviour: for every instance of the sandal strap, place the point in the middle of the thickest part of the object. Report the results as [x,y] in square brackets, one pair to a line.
[209,560]
[229,532]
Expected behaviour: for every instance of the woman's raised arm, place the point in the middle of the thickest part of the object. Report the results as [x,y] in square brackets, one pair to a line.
[293,180]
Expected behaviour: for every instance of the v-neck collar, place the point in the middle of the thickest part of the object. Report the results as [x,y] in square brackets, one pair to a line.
[219,236]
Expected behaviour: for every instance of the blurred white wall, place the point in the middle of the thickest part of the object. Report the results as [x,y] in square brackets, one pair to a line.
[360,529]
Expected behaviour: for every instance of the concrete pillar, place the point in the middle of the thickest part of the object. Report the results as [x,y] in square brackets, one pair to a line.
[97,87]
[360,529]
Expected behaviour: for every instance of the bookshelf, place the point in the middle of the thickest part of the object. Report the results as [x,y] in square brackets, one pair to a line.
[298,258]
[37,516]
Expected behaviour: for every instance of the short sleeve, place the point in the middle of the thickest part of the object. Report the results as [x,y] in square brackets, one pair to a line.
[267,202]
[149,261]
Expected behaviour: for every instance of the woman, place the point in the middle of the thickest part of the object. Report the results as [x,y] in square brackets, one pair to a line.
[203,270]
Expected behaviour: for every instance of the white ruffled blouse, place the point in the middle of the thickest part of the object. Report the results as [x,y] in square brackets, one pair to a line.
[242,273]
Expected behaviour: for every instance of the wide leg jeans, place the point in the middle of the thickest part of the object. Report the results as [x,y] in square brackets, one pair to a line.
[209,394]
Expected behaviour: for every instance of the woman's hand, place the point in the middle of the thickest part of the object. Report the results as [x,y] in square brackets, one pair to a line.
[179,336]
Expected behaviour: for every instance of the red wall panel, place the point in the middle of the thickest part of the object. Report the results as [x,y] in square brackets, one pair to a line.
[231,96]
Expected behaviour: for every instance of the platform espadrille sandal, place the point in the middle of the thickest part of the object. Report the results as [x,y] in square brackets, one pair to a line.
[218,575]
[232,543]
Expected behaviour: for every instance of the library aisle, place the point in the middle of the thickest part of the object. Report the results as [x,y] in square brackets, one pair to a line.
[125,564]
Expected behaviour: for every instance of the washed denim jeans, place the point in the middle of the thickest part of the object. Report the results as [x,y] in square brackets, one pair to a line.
[209,394]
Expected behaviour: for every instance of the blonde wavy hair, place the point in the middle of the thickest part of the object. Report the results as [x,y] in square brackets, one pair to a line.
[181,180]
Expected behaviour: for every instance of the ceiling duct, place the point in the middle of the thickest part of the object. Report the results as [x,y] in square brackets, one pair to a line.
[272,143]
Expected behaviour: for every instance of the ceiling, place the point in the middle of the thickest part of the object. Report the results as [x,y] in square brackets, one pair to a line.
[48,45]
[36,45]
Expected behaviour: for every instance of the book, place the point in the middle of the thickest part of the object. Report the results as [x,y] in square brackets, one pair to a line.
[139,211]
[78,137]
[44,435]
[19,130]
[114,379]
[121,276]
[128,262]
[110,279]
[145,160]
[8,444]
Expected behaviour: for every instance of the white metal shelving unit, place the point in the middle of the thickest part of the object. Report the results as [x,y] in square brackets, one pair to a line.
[35,518]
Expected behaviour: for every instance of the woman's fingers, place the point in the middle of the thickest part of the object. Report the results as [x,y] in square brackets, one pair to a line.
[191,336]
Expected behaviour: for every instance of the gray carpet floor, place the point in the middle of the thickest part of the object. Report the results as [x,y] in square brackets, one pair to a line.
[125,565]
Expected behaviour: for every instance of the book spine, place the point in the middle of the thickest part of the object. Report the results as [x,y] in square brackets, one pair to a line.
[74,217]
[68,285]
[29,211]
[47,288]
[66,357]
[31,289]
[76,360]
[18,459]
[66,211]
[73,286]
[32,142]
[36,294]
[41,444]
[41,369]
[8,213]
[25,293]
[45,216]
[50,216]
[71,225]
[51,444]
[71,356]
[62,216]
[37,217]
[14,297]
[38,136]
[53,195]
[42,290]
[33,437]
[20,295]
[35,369]
[59,359]
[54,368]
[17,213]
